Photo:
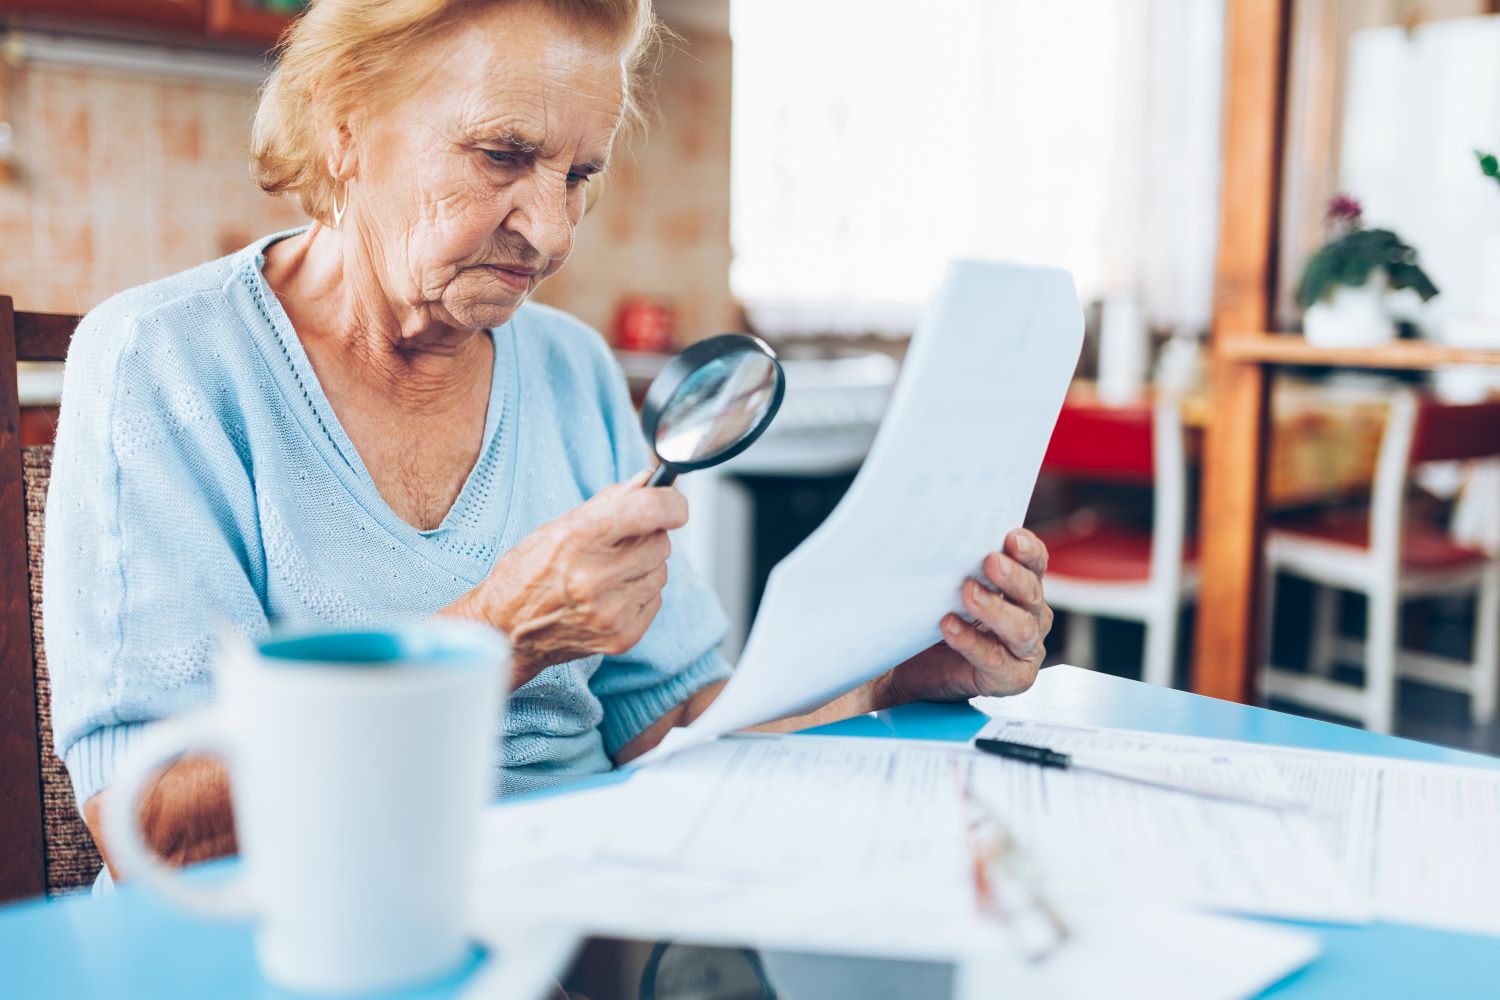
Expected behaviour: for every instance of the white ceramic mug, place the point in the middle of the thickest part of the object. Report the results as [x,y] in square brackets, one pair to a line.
[359,763]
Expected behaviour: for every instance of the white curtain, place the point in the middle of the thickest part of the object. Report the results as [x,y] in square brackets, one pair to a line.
[876,139]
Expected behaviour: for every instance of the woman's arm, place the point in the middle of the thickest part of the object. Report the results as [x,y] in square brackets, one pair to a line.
[159,538]
[184,816]
[998,653]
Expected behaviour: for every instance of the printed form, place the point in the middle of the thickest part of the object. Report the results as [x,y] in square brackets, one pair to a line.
[857,847]
[791,808]
[1421,842]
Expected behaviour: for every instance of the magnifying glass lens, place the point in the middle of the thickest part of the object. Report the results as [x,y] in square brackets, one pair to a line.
[710,403]
[715,408]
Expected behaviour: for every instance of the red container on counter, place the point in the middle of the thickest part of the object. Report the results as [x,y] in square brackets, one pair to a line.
[644,324]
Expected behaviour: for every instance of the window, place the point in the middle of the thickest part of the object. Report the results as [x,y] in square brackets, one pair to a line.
[876,139]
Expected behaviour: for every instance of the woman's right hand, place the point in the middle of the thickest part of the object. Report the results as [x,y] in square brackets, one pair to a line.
[588,582]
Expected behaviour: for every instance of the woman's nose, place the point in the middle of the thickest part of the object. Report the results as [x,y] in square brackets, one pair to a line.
[540,216]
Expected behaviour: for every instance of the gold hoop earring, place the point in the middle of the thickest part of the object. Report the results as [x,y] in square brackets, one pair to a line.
[338,210]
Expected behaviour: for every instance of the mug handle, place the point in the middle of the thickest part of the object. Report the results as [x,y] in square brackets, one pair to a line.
[158,746]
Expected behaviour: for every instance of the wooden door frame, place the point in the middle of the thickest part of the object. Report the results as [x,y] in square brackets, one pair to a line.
[1227,645]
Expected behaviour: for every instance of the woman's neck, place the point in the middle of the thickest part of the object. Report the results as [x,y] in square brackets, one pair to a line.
[341,314]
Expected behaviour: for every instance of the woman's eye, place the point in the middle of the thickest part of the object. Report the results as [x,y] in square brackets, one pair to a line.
[500,156]
[577,180]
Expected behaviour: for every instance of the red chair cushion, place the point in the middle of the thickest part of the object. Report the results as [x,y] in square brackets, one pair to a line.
[1423,546]
[1448,432]
[1101,443]
[1105,551]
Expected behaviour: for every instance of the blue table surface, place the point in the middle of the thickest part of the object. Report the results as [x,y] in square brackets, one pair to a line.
[131,945]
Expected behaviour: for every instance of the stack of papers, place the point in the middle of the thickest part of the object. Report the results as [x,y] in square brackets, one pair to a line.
[858,846]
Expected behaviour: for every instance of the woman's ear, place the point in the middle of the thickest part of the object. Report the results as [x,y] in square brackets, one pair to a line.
[342,160]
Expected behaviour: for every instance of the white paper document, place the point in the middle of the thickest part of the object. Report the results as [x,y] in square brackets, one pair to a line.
[843,846]
[950,472]
[788,808]
[1421,842]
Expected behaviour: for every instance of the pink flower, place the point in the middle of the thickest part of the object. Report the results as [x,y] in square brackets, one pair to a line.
[1343,208]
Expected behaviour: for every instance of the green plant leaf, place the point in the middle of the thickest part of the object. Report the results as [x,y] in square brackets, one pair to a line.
[1349,260]
[1489,164]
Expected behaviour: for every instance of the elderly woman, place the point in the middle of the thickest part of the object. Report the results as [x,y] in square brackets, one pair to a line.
[363,420]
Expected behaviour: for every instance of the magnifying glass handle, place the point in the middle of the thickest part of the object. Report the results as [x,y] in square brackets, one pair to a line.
[664,475]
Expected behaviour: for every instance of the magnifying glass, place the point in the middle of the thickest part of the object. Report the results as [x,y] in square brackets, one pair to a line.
[710,403]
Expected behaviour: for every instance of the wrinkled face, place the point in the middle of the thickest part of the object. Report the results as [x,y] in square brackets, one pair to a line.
[466,192]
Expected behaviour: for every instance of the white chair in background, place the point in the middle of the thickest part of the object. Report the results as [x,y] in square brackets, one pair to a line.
[1390,559]
[1105,569]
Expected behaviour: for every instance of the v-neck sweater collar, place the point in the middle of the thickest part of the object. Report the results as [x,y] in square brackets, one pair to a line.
[290,366]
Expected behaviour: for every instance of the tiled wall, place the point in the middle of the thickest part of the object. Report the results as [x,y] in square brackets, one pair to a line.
[120,179]
[661,224]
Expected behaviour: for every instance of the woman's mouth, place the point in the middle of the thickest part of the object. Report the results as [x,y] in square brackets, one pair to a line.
[517,279]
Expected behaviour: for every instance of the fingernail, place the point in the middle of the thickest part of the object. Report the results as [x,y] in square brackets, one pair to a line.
[1004,565]
[950,625]
[1022,544]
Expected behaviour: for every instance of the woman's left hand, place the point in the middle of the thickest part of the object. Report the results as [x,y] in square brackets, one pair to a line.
[1000,651]
[997,654]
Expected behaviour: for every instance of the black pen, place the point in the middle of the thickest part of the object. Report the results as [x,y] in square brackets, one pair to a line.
[1043,757]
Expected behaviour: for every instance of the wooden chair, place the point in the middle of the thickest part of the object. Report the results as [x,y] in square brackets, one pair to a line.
[1391,558]
[1098,568]
[44,845]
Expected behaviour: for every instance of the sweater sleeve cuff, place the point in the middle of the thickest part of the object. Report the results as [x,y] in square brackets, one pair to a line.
[626,716]
[94,759]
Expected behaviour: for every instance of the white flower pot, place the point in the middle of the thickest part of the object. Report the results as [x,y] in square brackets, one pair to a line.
[1352,317]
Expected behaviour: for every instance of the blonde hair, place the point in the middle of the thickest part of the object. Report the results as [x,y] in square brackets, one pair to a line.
[342,54]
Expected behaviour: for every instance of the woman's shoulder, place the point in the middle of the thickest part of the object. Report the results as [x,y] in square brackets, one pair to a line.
[171,337]
[172,317]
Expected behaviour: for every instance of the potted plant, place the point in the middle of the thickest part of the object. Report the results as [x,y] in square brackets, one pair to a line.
[1344,287]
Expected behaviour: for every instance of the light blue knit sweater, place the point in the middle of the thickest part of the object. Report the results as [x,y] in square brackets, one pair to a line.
[201,476]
